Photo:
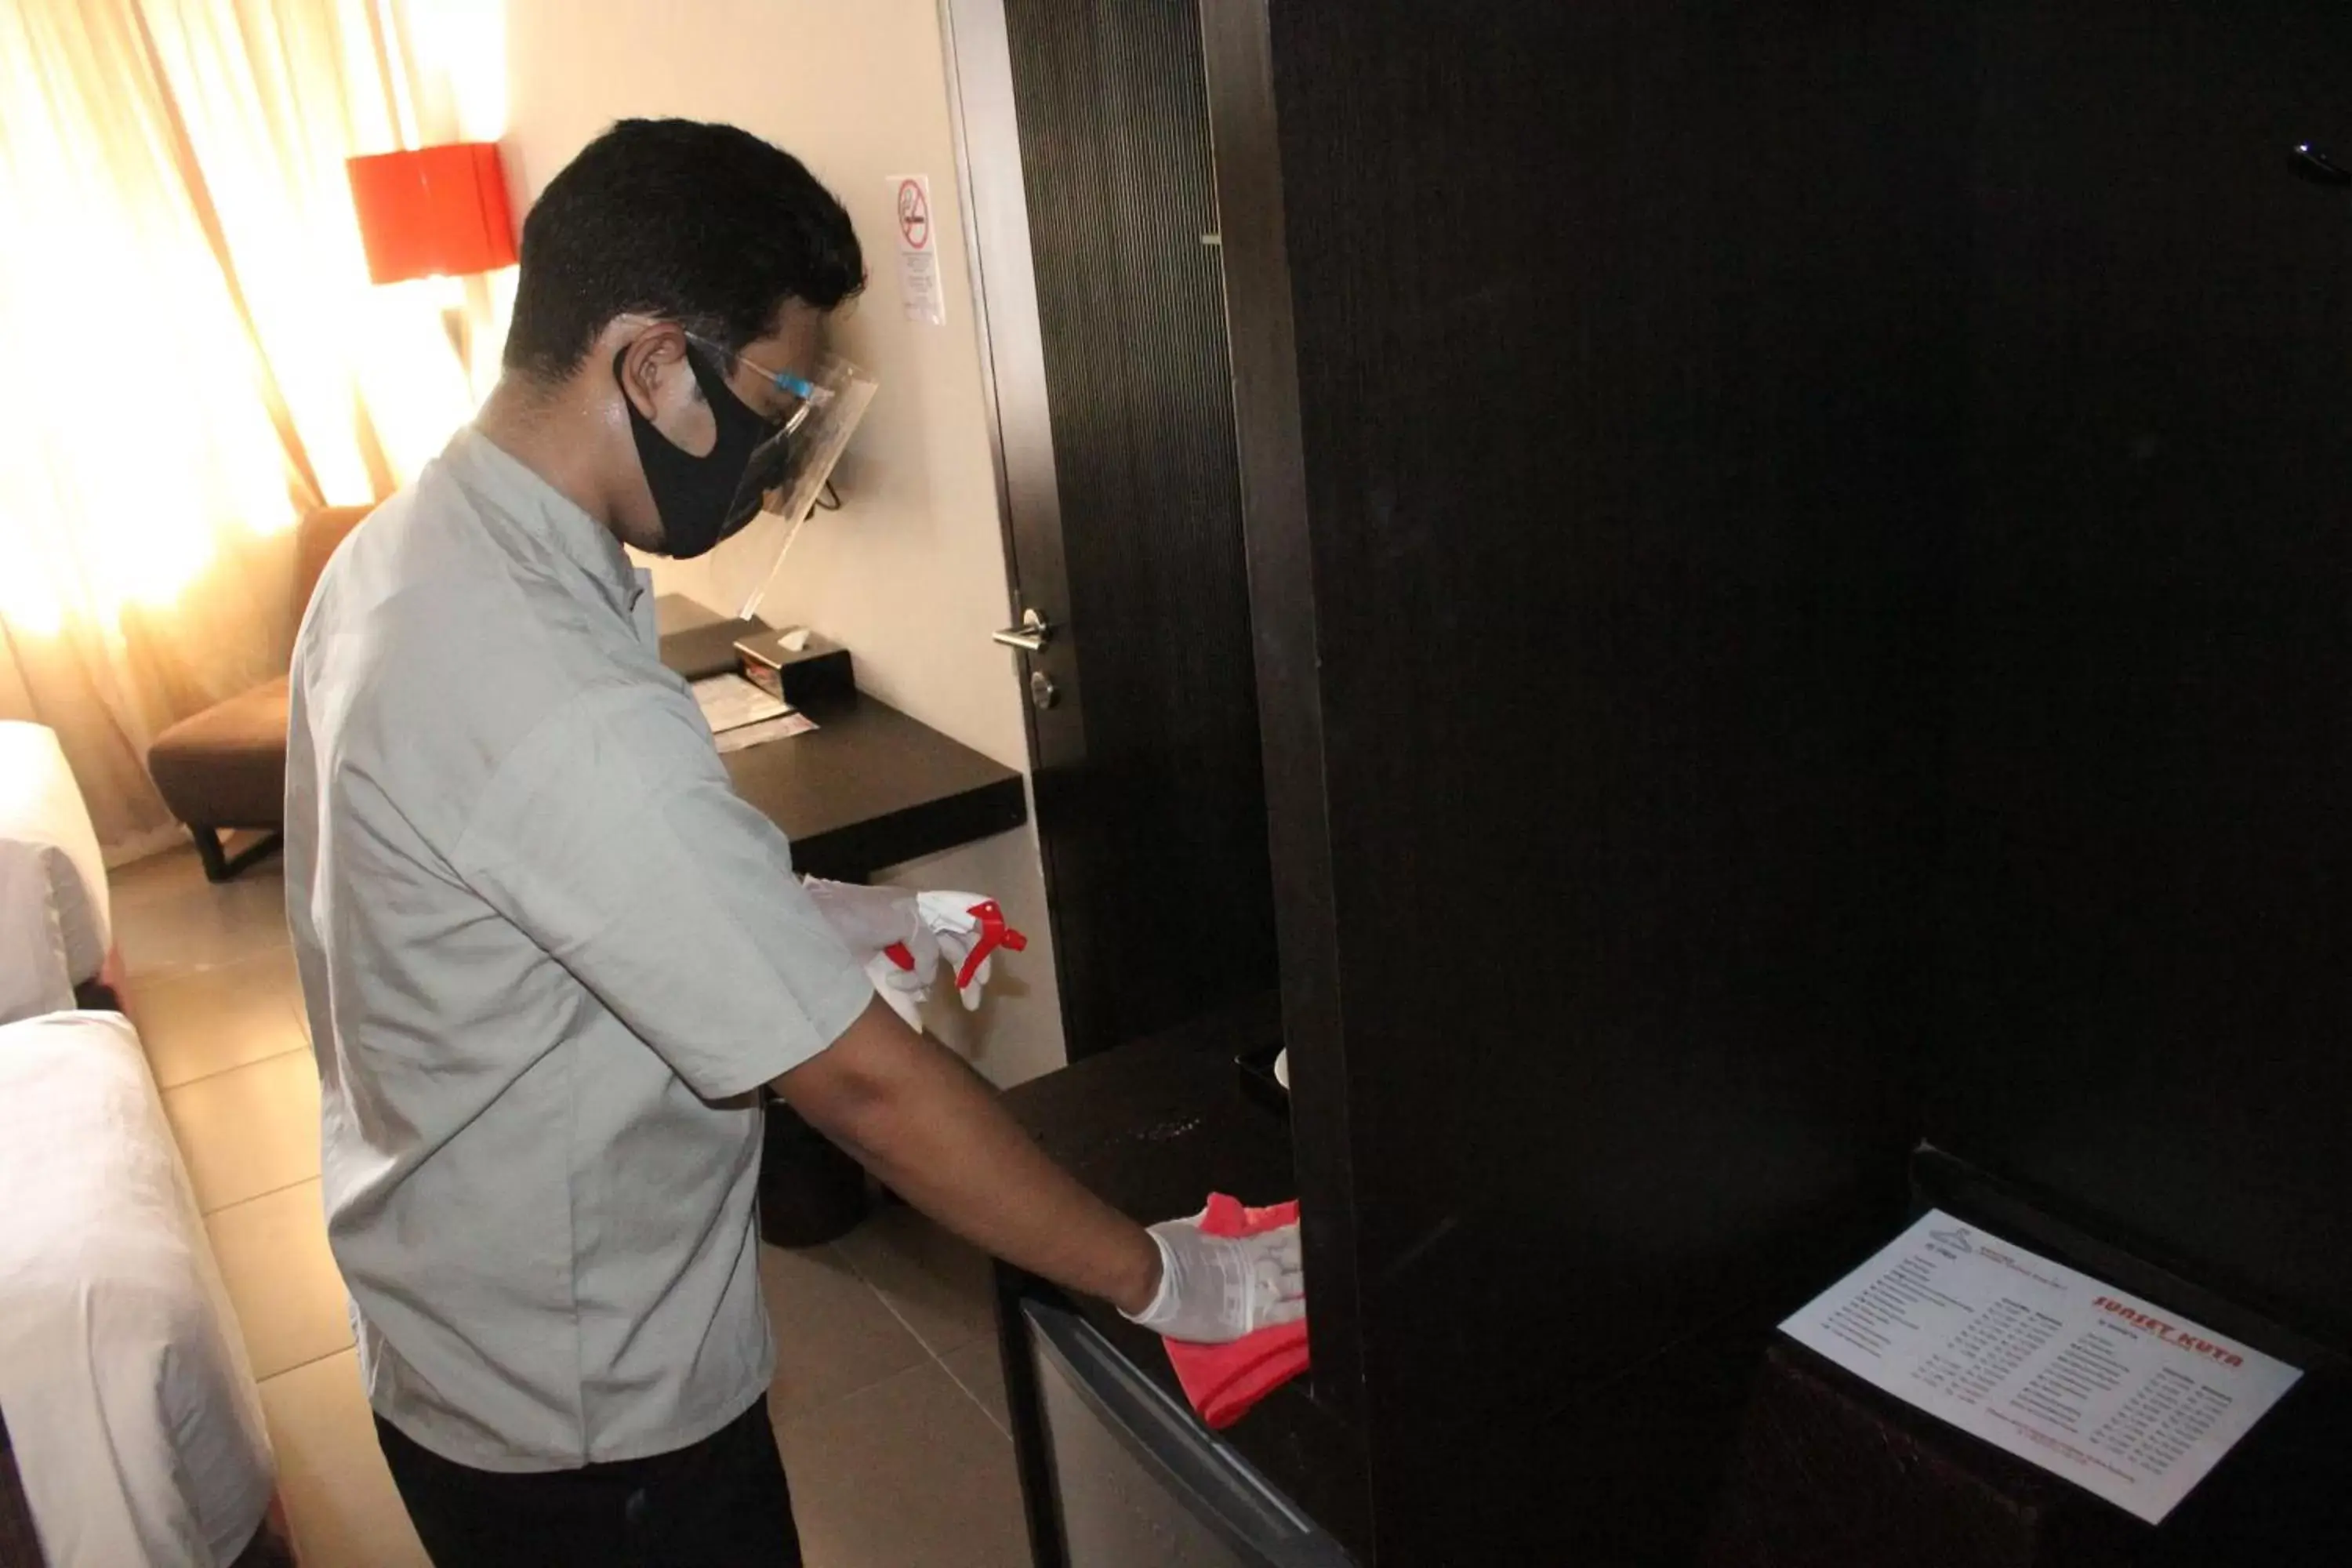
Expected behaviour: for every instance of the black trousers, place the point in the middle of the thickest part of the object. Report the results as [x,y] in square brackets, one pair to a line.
[719,1503]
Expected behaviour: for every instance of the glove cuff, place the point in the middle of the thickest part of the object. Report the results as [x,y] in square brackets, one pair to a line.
[1162,1305]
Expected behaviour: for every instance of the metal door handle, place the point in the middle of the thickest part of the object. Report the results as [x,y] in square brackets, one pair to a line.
[2315,165]
[1030,636]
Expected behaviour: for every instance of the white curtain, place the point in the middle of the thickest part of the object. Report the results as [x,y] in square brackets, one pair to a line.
[197,356]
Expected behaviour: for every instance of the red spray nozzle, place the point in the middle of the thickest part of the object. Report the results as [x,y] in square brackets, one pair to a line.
[993,933]
[989,916]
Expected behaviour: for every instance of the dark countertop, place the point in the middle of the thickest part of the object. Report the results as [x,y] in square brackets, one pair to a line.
[870,787]
[1155,1127]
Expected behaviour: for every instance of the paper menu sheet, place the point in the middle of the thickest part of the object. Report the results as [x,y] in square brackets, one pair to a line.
[740,714]
[2117,1394]
[729,702]
[763,729]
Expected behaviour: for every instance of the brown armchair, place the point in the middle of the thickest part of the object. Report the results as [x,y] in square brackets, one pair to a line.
[226,767]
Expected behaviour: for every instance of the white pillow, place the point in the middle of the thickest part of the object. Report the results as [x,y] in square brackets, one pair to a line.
[41,807]
[34,975]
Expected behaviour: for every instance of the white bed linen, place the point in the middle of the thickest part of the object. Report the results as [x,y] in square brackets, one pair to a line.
[133,1409]
[41,807]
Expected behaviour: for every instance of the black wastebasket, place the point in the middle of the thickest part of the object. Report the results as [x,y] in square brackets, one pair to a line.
[810,1192]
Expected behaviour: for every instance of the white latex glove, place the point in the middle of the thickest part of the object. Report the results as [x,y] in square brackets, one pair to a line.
[868,919]
[1214,1289]
[949,916]
[955,946]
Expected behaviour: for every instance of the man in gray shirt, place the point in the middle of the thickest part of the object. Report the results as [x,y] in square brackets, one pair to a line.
[550,958]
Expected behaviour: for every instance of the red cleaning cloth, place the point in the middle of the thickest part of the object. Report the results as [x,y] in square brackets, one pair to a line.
[1223,1381]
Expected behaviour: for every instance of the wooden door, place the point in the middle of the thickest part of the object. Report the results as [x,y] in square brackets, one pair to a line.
[1107,337]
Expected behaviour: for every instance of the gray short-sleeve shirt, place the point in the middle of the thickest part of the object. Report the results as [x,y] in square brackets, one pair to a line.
[546,954]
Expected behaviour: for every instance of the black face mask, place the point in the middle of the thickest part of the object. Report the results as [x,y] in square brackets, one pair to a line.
[701,500]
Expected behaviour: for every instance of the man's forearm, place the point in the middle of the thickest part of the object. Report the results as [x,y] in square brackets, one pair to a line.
[929,1127]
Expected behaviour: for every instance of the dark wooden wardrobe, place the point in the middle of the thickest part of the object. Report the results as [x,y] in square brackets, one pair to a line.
[1800,564]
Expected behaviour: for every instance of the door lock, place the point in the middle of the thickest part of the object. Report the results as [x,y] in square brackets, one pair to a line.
[1030,636]
[1043,692]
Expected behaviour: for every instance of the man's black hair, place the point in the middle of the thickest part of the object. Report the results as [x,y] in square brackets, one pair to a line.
[703,225]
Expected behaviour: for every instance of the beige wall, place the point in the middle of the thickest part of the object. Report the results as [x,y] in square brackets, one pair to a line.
[910,574]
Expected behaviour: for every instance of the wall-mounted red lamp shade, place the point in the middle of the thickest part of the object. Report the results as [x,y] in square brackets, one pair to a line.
[433,212]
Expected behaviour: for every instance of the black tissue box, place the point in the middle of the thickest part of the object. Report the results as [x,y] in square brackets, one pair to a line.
[811,676]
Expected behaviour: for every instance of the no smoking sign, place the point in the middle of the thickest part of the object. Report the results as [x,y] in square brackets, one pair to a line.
[918,263]
[914,215]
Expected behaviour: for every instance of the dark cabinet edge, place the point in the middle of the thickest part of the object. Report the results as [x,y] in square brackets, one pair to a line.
[1239,55]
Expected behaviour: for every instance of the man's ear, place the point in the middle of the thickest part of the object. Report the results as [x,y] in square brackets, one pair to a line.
[654,377]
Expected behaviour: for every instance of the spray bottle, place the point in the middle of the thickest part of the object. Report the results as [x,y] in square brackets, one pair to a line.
[970,929]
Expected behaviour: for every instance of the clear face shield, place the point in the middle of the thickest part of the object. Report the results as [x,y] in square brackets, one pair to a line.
[788,470]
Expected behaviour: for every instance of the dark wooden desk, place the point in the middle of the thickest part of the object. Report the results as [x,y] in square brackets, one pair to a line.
[870,788]
[867,789]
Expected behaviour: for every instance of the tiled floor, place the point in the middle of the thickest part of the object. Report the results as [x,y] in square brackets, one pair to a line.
[887,1402]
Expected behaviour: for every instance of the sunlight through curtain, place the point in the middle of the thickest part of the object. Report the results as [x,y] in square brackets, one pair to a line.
[197,356]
